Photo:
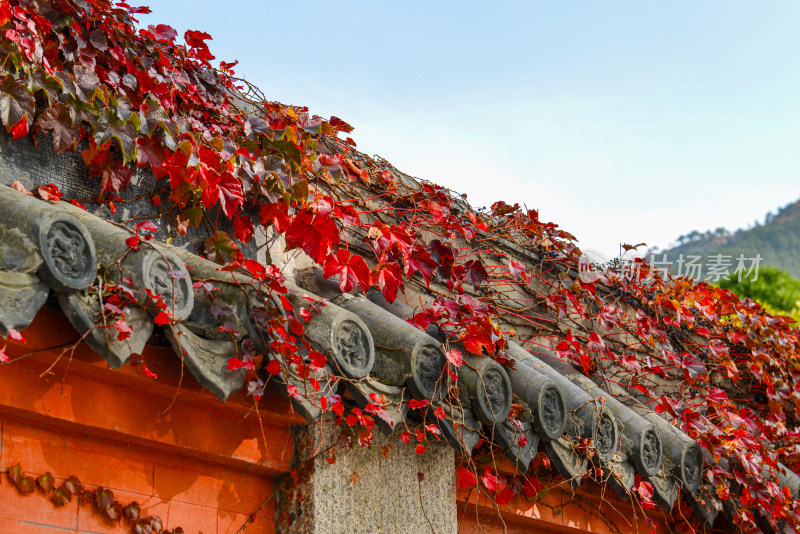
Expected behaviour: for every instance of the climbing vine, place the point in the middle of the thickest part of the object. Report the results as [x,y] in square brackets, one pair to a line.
[81,75]
[103,500]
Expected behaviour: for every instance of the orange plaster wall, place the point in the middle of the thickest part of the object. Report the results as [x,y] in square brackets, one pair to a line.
[195,462]
[559,511]
[590,509]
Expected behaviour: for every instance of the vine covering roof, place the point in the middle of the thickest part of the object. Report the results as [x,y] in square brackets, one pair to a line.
[79,74]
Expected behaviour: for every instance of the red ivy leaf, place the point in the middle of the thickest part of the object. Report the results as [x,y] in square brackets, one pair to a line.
[243,228]
[491,481]
[504,496]
[645,491]
[114,178]
[274,367]
[224,188]
[454,357]
[318,360]
[315,234]
[5,14]
[124,329]
[15,335]
[133,242]
[146,226]
[148,373]
[196,39]
[49,192]
[465,478]
[414,404]
[150,153]
[234,364]
[475,273]
[46,482]
[517,270]
[387,276]
[20,130]
[164,32]
[351,269]
[596,343]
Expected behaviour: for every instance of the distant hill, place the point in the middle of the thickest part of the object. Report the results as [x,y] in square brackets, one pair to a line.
[777,241]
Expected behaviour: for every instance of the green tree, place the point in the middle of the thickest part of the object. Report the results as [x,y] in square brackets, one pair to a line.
[773,288]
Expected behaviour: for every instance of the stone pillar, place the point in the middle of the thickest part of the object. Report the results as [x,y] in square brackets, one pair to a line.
[366,490]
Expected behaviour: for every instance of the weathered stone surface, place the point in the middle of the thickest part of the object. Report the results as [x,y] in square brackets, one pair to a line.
[39,164]
[207,360]
[366,492]
[21,295]
[61,241]
[164,274]
[345,338]
[488,387]
[17,252]
[68,252]
[683,461]
[620,474]
[404,354]
[705,505]
[607,436]
[569,463]
[84,311]
[587,417]
[543,397]
[236,298]
[519,443]
[666,488]
[395,408]
[460,428]
[153,268]
[236,291]
[641,440]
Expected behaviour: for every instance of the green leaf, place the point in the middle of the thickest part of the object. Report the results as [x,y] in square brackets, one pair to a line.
[16,102]
[194,215]
[111,127]
[288,150]
[221,249]
[39,80]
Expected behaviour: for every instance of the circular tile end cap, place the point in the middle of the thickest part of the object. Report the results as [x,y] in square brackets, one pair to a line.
[68,252]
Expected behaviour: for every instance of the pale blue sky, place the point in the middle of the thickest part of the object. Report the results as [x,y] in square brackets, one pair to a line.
[620,121]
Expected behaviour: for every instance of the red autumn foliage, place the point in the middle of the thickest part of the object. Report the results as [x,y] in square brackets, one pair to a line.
[141,99]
